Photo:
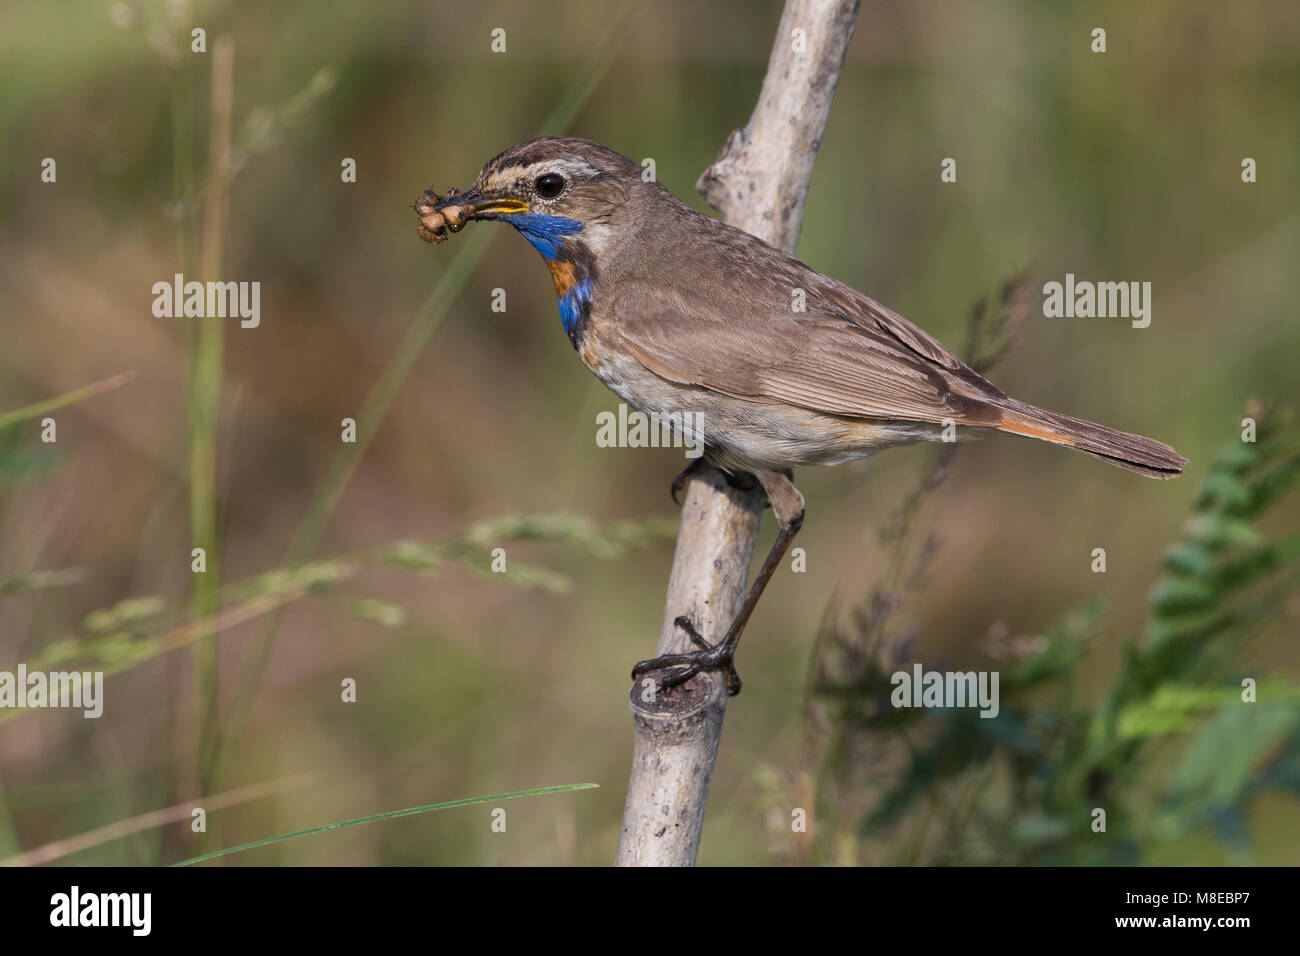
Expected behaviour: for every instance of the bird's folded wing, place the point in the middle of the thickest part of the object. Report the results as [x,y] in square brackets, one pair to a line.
[870,313]
[871,363]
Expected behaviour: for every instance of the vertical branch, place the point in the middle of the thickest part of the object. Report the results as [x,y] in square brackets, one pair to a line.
[759,182]
[760,179]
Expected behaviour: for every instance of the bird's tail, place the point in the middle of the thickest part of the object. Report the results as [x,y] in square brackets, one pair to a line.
[1143,455]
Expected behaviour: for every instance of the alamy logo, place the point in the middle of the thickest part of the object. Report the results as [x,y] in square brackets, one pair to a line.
[211,300]
[74,908]
[72,689]
[633,429]
[1102,300]
[922,688]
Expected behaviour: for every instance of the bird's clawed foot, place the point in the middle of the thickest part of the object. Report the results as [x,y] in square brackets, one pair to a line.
[740,480]
[684,476]
[709,657]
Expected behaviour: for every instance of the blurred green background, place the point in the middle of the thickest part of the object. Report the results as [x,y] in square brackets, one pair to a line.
[1120,166]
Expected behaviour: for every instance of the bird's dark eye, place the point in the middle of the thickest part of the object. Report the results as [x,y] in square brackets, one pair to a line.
[550,185]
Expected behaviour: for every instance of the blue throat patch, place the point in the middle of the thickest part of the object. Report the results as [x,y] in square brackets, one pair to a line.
[574,305]
[545,232]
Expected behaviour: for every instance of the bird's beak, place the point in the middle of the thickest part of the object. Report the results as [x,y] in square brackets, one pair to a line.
[440,215]
[473,205]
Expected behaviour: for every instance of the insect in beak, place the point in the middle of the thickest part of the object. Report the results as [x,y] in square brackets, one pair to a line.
[440,215]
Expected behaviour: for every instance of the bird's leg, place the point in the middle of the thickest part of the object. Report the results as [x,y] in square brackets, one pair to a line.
[788,506]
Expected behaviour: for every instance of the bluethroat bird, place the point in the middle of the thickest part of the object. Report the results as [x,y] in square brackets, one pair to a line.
[676,312]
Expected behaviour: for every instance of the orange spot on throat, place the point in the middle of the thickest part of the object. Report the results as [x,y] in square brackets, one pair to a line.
[562,275]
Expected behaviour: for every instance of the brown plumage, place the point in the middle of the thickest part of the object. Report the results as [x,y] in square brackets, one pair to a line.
[677,312]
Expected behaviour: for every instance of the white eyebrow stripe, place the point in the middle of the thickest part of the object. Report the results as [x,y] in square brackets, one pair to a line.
[573,167]
[567,167]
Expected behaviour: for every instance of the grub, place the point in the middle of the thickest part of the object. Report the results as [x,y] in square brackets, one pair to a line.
[436,224]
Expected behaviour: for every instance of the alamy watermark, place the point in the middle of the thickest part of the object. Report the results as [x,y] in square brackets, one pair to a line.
[633,429]
[922,688]
[1102,300]
[71,689]
[210,300]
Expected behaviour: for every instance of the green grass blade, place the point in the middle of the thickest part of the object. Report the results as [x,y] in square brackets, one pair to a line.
[36,580]
[67,398]
[390,815]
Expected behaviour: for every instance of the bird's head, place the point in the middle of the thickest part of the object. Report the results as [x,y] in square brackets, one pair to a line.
[565,196]
[571,198]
